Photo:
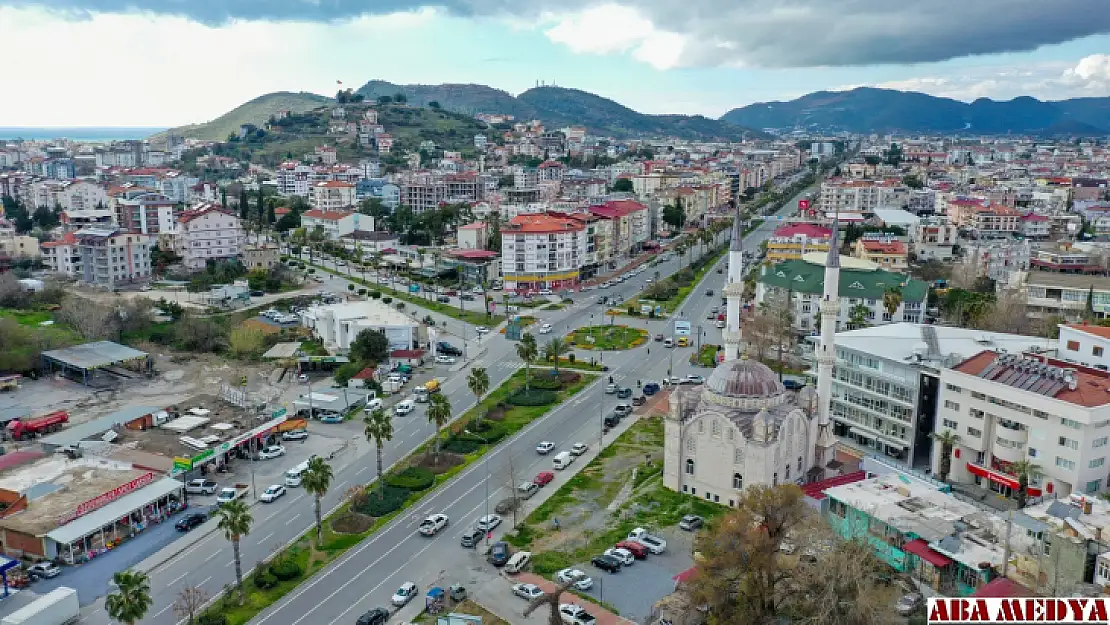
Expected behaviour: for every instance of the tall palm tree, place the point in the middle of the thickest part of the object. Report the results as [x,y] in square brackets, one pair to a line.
[379,429]
[235,522]
[316,481]
[478,383]
[552,602]
[527,351]
[439,413]
[131,600]
[554,350]
[948,441]
[892,299]
[1024,470]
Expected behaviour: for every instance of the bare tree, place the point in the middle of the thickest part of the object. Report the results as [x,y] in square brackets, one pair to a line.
[510,481]
[91,320]
[189,603]
[965,272]
[552,602]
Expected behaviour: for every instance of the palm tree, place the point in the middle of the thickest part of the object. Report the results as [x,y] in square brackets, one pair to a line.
[1023,469]
[892,299]
[439,412]
[316,482]
[235,522]
[478,383]
[553,350]
[552,602]
[527,351]
[379,428]
[131,600]
[948,441]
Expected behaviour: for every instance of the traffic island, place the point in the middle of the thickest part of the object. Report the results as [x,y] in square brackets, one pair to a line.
[608,337]
[707,356]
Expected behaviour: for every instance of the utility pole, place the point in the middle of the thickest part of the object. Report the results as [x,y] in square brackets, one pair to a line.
[1006,549]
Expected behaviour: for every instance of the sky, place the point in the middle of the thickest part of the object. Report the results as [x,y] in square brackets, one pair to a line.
[171,62]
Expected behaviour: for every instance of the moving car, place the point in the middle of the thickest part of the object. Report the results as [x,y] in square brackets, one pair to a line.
[693,378]
[544,447]
[578,449]
[623,409]
[654,544]
[606,563]
[499,553]
[639,400]
[637,550]
[691,522]
[543,478]
[404,407]
[294,435]
[668,343]
[488,522]
[623,555]
[445,360]
[433,524]
[584,582]
[528,592]
[377,616]
[331,417]
[624,393]
[271,452]
[201,486]
[190,521]
[659,338]
[651,388]
[404,594]
[472,537]
[611,389]
[481,330]
[793,385]
[545,328]
[709,293]
[272,493]
[448,349]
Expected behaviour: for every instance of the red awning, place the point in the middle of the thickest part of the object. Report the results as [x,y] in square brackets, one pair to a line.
[921,549]
[1001,478]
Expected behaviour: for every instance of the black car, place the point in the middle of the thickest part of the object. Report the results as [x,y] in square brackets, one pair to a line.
[377,616]
[793,385]
[188,522]
[606,563]
[448,349]
[443,299]
[467,297]
[499,553]
[257,293]
[709,293]
[612,420]
[624,393]
[472,537]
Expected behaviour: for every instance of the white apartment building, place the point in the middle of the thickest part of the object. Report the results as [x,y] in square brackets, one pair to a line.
[934,239]
[332,195]
[62,256]
[1000,259]
[336,223]
[541,251]
[851,196]
[337,325]
[1010,407]
[293,179]
[111,257]
[1085,344]
[81,195]
[208,232]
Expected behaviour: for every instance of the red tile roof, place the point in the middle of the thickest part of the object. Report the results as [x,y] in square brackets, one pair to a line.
[1002,588]
[540,223]
[810,231]
[816,490]
[1099,331]
[67,239]
[406,353]
[282,210]
[921,549]
[17,458]
[202,210]
[1091,390]
[365,374]
[883,247]
[327,215]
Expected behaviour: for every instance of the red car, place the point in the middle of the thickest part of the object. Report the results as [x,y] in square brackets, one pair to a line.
[543,478]
[638,551]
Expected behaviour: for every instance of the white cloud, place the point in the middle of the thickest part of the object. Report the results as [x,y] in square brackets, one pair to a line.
[614,29]
[1091,73]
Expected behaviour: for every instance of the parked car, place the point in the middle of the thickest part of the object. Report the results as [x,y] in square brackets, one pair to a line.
[294,435]
[543,478]
[651,388]
[636,549]
[909,603]
[655,544]
[433,524]
[445,360]
[404,594]
[608,564]
[611,420]
[488,522]
[499,553]
[271,452]
[639,400]
[544,447]
[623,409]
[190,521]
[201,486]
[377,616]
[525,490]
[528,592]
[331,417]
[693,378]
[578,449]
[443,299]
[623,555]
[793,385]
[584,582]
[272,493]
[574,614]
[471,537]
[691,522]
[44,570]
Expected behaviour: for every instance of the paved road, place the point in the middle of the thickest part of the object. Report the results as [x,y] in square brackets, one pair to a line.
[366,575]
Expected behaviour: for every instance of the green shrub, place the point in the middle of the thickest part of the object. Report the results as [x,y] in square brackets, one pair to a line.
[491,431]
[262,578]
[570,358]
[412,478]
[466,445]
[534,397]
[212,618]
[631,310]
[285,568]
[362,292]
[380,503]
[546,383]
[376,294]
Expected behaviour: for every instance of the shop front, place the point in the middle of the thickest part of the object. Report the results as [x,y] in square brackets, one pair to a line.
[99,525]
[219,459]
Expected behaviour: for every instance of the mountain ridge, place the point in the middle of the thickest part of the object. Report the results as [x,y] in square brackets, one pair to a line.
[255,111]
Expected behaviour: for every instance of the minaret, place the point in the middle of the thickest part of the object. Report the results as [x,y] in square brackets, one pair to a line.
[826,354]
[734,290]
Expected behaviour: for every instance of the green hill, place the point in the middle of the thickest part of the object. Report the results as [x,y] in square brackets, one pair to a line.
[462,98]
[256,112]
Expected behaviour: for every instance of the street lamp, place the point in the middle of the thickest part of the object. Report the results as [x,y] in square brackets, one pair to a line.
[486,442]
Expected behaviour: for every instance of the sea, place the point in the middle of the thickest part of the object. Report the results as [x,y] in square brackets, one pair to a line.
[88,134]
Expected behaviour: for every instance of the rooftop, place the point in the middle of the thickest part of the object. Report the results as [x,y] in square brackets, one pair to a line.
[54,497]
[367,235]
[1067,280]
[909,342]
[316,213]
[373,312]
[811,231]
[94,355]
[204,422]
[539,223]
[1033,375]
[808,277]
[883,246]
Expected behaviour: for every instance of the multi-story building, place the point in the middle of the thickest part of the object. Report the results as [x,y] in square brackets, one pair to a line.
[261,256]
[853,196]
[1085,344]
[1035,226]
[427,191]
[380,189]
[1066,295]
[141,210]
[62,256]
[541,251]
[293,179]
[1009,407]
[73,220]
[1065,257]
[111,257]
[1001,260]
[207,233]
[59,169]
[862,283]
[934,239]
[332,195]
[629,226]
[336,223]
[792,241]
[886,252]
[80,195]
[14,245]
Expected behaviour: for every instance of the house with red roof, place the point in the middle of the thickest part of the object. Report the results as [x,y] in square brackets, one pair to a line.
[542,252]
[886,252]
[62,256]
[629,226]
[792,241]
[207,232]
[336,223]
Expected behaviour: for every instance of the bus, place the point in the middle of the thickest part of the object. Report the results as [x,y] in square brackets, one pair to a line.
[682,328]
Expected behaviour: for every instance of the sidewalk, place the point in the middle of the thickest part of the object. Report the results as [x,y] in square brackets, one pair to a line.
[603,616]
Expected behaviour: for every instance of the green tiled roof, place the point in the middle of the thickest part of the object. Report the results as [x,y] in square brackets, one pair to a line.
[803,277]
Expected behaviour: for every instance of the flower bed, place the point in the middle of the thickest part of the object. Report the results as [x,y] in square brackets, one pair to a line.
[608,337]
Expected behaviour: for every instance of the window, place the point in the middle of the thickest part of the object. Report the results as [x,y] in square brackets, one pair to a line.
[787,474]
[1099,442]
[715,428]
[974,432]
[701,426]
[1096,463]
[690,445]
[799,463]
[689,467]
[951,405]
[953,388]
[775,480]
[1064,463]
[1073,346]
[737,456]
[1069,443]
[1103,569]
[731,434]
[1092,486]
[950,424]
[737,481]
[1096,351]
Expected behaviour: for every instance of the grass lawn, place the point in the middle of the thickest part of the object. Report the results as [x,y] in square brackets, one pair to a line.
[608,337]
[707,357]
[27,317]
[567,363]
[466,607]
[334,544]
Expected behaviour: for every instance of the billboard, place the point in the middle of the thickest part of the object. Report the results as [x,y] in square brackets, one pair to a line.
[803,205]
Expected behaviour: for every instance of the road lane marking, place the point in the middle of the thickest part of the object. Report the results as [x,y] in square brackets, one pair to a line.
[212,555]
[362,470]
[268,537]
[341,485]
[175,580]
[206,580]
[163,610]
[290,521]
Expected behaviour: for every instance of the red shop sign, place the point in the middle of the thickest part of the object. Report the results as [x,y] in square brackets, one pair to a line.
[106,498]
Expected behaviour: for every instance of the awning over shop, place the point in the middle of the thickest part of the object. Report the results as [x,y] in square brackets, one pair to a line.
[103,517]
[1001,478]
[921,549]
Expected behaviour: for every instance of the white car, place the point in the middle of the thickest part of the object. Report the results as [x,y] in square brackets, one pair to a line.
[584,582]
[478,290]
[272,493]
[694,379]
[545,292]
[271,452]
[295,435]
[302,377]
[625,556]
[395,378]
[531,592]
[403,408]
[431,525]
[574,614]
[544,447]
[373,403]
[488,522]
[653,543]
[404,594]
[545,328]
[579,448]
[445,360]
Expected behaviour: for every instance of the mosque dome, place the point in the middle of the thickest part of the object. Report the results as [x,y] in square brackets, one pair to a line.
[744,378]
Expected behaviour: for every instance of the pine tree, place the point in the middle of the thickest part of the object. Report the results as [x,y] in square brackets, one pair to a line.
[244,209]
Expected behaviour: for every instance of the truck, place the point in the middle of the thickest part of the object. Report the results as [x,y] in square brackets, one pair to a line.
[57,607]
[231,493]
[23,429]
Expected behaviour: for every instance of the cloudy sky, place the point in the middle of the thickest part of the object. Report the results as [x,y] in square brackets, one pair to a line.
[169,62]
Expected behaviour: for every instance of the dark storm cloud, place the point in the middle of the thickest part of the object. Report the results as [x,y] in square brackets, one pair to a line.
[775,33]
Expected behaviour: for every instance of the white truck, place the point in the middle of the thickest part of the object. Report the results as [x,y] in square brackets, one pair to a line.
[57,607]
[232,493]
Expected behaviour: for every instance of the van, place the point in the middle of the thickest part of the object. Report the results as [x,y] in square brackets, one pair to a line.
[668,343]
[403,408]
[684,341]
[562,460]
[421,394]
[293,476]
[517,563]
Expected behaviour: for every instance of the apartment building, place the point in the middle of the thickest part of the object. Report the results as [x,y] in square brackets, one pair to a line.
[208,232]
[111,257]
[378,189]
[886,252]
[293,178]
[62,256]
[1034,226]
[1009,407]
[261,256]
[1085,344]
[332,195]
[80,195]
[541,251]
[1066,295]
[14,245]
[852,196]
[141,210]
[336,224]
[629,224]
[1001,260]
[861,283]
[1065,257]
[934,238]
[427,190]
[792,241]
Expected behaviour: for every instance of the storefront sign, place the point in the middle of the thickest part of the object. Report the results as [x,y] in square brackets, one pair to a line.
[108,497]
[280,412]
